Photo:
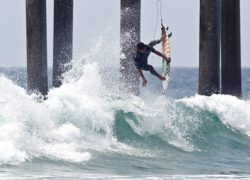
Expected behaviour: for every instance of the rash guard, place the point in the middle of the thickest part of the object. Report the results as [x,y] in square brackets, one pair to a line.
[141,59]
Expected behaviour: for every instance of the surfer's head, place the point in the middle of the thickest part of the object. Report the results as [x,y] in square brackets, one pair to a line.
[141,47]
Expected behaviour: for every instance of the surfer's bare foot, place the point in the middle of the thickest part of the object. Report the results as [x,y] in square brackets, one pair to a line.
[162,78]
[144,83]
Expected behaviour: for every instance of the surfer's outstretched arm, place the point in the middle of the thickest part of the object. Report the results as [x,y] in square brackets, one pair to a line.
[143,78]
[162,55]
[155,42]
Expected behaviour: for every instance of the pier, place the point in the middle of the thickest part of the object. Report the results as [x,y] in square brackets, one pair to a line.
[130,25]
[219,68]
[63,39]
[37,76]
[209,64]
[220,17]
[231,48]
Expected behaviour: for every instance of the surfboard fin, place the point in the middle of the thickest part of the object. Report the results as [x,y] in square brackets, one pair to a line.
[169,35]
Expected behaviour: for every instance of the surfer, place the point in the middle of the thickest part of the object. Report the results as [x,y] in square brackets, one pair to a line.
[141,59]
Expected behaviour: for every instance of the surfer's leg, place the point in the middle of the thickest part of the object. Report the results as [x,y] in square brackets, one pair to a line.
[152,71]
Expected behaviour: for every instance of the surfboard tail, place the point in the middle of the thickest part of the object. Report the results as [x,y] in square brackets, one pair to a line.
[165,83]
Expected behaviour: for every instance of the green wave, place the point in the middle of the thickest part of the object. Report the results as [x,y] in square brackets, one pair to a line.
[123,131]
[207,133]
[213,134]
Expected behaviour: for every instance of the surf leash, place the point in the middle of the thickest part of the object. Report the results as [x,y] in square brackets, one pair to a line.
[165,46]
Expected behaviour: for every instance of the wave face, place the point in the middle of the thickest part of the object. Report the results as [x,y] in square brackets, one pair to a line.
[87,124]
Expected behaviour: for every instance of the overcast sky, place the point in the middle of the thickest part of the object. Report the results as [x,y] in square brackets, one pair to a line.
[97,22]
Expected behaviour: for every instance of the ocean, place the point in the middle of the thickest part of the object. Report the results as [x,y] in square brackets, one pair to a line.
[86,129]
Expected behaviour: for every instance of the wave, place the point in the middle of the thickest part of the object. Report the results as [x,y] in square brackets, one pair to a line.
[198,123]
[85,116]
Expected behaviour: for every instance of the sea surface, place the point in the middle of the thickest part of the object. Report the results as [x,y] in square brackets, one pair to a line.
[87,129]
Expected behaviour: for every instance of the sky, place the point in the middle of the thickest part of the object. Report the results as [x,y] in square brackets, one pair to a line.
[96,26]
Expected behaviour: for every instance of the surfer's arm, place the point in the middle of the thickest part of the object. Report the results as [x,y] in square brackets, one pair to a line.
[142,76]
[155,42]
[162,55]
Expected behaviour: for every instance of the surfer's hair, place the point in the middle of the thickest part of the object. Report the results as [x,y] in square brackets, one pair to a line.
[141,46]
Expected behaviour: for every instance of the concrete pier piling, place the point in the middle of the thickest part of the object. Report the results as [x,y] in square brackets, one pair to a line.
[37,78]
[129,37]
[63,37]
[231,48]
[209,53]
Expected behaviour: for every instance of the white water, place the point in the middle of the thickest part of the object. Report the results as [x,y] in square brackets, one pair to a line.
[78,118]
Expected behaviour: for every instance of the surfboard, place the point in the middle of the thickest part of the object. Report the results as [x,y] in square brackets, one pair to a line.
[166,52]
